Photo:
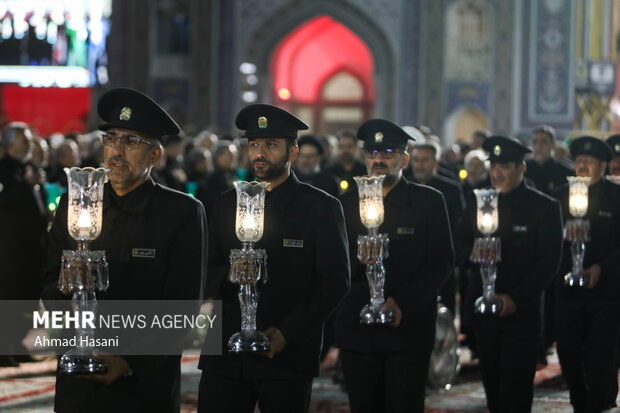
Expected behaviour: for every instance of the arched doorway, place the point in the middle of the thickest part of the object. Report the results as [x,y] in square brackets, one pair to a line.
[324,73]
[462,123]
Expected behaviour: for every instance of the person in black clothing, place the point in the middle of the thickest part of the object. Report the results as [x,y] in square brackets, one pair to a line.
[137,215]
[614,164]
[588,317]
[308,165]
[530,230]
[222,177]
[477,175]
[543,170]
[308,265]
[424,164]
[347,165]
[548,175]
[385,367]
[23,224]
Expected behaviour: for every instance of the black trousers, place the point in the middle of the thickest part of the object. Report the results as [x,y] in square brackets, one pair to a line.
[587,336]
[385,382]
[219,394]
[508,367]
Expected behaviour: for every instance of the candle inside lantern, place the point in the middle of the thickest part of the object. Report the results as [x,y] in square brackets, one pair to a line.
[487,222]
[578,195]
[249,224]
[580,202]
[372,215]
[84,223]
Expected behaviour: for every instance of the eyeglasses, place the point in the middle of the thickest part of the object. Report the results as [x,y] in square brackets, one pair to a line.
[128,141]
[385,153]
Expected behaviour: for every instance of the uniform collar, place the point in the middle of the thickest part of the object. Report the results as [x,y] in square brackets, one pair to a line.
[282,195]
[398,194]
[516,192]
[135,202]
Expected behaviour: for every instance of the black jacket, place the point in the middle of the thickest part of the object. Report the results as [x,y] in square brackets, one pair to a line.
[547,177]
[306,280]
[604,246]
[420,259]
[23,233]
[530,231]
[149,217]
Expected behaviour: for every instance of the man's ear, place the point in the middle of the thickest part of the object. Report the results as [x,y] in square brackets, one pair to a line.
[292,153]
[405,160]
[156,153]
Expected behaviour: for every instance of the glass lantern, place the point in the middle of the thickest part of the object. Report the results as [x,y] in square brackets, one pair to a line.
[487,250]
[248,265]
[372,249]
[577,230]
[83,271]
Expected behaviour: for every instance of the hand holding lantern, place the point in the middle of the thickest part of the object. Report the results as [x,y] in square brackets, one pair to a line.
[248,265]
[84,271]
[487,250]
[373,248]
[577,230]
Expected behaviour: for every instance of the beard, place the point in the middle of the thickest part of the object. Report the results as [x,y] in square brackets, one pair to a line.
[391,176]
[270,170]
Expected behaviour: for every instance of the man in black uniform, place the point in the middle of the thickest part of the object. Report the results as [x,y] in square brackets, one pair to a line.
[614,164]
[548,175]
[308,265]
[588,317]
[23,226]
[346,165]
[425,158]
[385,367]
[530,230]
[308,166]
[543,170]
[138,215]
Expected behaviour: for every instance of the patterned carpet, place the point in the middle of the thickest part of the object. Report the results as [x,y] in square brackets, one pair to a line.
[29,388]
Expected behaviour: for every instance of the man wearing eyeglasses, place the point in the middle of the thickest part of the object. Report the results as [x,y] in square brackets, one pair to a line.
[385,367]
[155,244]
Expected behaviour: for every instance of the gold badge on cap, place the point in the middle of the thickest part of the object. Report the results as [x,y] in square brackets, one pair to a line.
[125,113]
[378,137]
[262,122]
[497,150]
[617,147]
[586,146]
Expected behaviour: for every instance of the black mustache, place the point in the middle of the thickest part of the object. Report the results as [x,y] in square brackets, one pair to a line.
[118,159]
[380,165]
[255,161]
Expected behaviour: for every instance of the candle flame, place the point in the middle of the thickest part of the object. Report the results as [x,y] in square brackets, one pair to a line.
[487,221]
[84,219]
[248,223]
[372,214]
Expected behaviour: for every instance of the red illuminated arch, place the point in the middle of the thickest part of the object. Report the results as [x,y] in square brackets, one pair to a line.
[304,61]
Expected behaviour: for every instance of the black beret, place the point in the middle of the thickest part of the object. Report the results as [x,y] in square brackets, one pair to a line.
[502,149]
[614,143]
[267,121]
[382,134]
[588,145]
[312,140]
[129,109]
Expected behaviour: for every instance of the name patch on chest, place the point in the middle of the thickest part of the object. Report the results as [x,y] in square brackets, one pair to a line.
[293,243]
[143,252]
[404,231]
[604,214]
[519,228]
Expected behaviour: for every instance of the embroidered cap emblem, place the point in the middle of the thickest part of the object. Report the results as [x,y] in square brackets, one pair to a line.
[125,113]
[262,122]
[378,137]
[497,150]
[586,146]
